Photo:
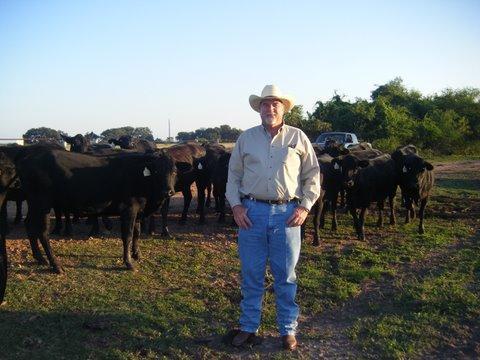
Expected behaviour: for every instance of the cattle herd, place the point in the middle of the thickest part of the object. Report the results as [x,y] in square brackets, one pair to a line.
[135,181]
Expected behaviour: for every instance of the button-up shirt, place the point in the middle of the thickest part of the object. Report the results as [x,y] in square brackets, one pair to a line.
[282,167]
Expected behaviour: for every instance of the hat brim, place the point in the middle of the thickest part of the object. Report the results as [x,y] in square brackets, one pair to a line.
[256,100]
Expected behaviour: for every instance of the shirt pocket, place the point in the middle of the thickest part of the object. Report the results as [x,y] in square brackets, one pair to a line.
[291,156]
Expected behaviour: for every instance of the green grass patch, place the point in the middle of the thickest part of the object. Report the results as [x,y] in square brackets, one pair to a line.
[187,289]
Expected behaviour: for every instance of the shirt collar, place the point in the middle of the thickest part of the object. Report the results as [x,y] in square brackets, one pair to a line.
[279,130]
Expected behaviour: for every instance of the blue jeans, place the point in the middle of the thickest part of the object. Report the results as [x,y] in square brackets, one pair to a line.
[269,238]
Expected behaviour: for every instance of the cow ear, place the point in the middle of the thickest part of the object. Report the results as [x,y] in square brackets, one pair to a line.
[66,138]
[428,166]
[397,156]
[344,151]
[363,163]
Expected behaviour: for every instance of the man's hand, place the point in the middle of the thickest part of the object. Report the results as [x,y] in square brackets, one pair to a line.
[298,217]
[240,216]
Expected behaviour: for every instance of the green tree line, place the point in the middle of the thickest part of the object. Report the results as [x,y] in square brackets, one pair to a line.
[444,123]
[223,133]
[448,122]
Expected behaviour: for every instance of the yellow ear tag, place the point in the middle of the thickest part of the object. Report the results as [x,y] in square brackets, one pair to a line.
[146,172]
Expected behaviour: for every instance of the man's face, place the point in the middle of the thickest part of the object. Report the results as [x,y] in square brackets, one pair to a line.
[271,112]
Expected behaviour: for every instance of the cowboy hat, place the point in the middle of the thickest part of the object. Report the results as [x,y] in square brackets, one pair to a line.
[271,92]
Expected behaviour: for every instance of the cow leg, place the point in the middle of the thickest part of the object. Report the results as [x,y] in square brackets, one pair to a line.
[391,205]
[408,206]
[342,198]
[4,219]
[151,225]
[201,200]
[321,219]
[208,200]
[75,218]
[44,225]
[334,212]
[127,219]
[3,251]
[353,212]
[68,224]
[31,228]
[412,211]
[107,223]
[95,230]
[57,230]
[380,205]
[136,235]
[164,214]
[221,207]
[421,214]
[361,224]
[317,211]
[187,199]
[18,214]
[3,268]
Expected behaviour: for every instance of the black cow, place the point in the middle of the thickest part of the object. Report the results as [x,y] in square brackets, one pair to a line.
[7,179]
[80,144]
[187,160]
[129,185]
[15,192]
[416,181]
[368,181]
[130,143]
[397,154]
[219,180]
[331,185]
[213,152]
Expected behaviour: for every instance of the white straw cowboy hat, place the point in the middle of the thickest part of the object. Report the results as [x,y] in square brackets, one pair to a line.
[271,92]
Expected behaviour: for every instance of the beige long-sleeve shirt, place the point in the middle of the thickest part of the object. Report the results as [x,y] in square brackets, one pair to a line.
[283,167]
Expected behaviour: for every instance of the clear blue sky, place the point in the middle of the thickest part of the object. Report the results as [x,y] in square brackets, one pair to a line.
[85,65]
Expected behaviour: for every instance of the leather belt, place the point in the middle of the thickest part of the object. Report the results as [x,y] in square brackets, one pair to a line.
[271,202]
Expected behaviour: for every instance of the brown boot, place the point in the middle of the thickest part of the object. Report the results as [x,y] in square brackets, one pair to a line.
[241,338]
[289,342]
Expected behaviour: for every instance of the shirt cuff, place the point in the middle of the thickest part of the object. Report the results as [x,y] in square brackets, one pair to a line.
[307,204]
[234,202]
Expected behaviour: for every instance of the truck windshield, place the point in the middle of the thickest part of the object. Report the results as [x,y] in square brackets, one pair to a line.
[340,138]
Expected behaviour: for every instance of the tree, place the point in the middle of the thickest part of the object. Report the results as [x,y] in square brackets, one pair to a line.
[43,133]
[466,103]
[139,132]
[185,136]
[143,133]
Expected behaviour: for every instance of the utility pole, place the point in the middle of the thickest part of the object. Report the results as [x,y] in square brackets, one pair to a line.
[169,138]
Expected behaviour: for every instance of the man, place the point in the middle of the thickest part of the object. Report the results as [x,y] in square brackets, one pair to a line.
[273,181]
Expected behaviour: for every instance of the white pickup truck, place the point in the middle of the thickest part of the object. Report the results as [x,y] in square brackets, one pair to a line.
[345,138]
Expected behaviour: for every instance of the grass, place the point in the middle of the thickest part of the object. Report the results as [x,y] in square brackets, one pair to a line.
[185,293]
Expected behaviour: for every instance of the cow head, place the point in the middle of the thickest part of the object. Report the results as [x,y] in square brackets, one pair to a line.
[125,142]
[220,174]
[7,175]
[412,168]
[78,143]
[347,167]
[333,148]
[161,168]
